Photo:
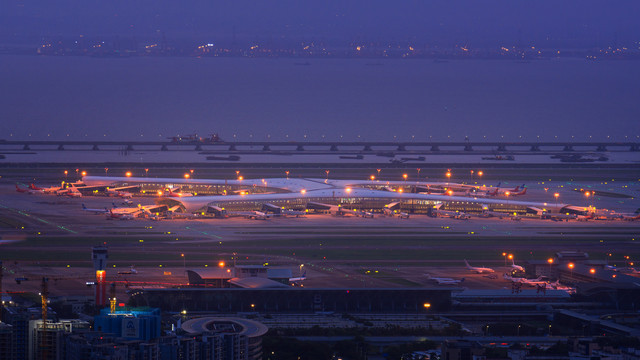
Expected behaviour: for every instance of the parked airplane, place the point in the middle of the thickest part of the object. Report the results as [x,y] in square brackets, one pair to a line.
[119,216]
[253,215]
[95,211]
[445,281]
[28,191]
[301,278]
[516,267]
[119,193]
[452,214]
[49,190]
[70,191]
[177,194]
[532,282]
[478,270]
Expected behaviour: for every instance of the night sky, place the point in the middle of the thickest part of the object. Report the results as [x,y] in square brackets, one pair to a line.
[63,97]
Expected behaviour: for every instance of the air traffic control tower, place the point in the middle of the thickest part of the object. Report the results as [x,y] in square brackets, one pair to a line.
[100,256]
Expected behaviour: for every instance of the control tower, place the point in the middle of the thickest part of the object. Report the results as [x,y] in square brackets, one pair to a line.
[99,256]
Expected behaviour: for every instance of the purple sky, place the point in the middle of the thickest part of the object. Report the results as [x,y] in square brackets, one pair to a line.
[434,21]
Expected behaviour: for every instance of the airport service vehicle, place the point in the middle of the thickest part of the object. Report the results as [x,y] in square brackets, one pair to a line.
[478,270]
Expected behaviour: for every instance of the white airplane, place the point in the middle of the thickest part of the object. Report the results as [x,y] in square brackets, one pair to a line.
[478,270]
[72,192]
[531,282]
[301,278]
[253,215]
[459,215]
[296,213]
[516,267]
[49,190]
[445,281]
[95,211]
[118,193]
[177,194]
[119,216]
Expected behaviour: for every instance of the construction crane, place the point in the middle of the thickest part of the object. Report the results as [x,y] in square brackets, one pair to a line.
[44,295]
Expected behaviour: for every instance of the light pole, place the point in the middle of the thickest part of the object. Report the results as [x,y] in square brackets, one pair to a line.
[105,171]
[550,261]
[504,255]
[379,172]
[287,172]
[556,195]
[184,264]
[327,171]
[448,174]
[146,172]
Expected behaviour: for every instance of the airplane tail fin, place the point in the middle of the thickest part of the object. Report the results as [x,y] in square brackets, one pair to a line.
[467,263]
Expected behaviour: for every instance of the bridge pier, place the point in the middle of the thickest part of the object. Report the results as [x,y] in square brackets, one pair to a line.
[367,148]
[468,148]
[198,147]
[266,148]
[568,148]
[300,148]
[164,148]
[502,148]
[232,148]
[401,148]
[26,147]
[95,147]
[60,147]
[435,148]
[333,148]
[601,148]
[535,148]
[634,147]
[129,147]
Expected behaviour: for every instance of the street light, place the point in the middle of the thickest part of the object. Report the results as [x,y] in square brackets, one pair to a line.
[191,171]
[448,174]
[184,263]
[556,195]
[287,172]
[66,172]
[405,176]
[127,174]
[372,177]
[550,261]
[379,172]
[146,172]
[186,175]
[327,171]
[571,266]
[105,171]
[504,254]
